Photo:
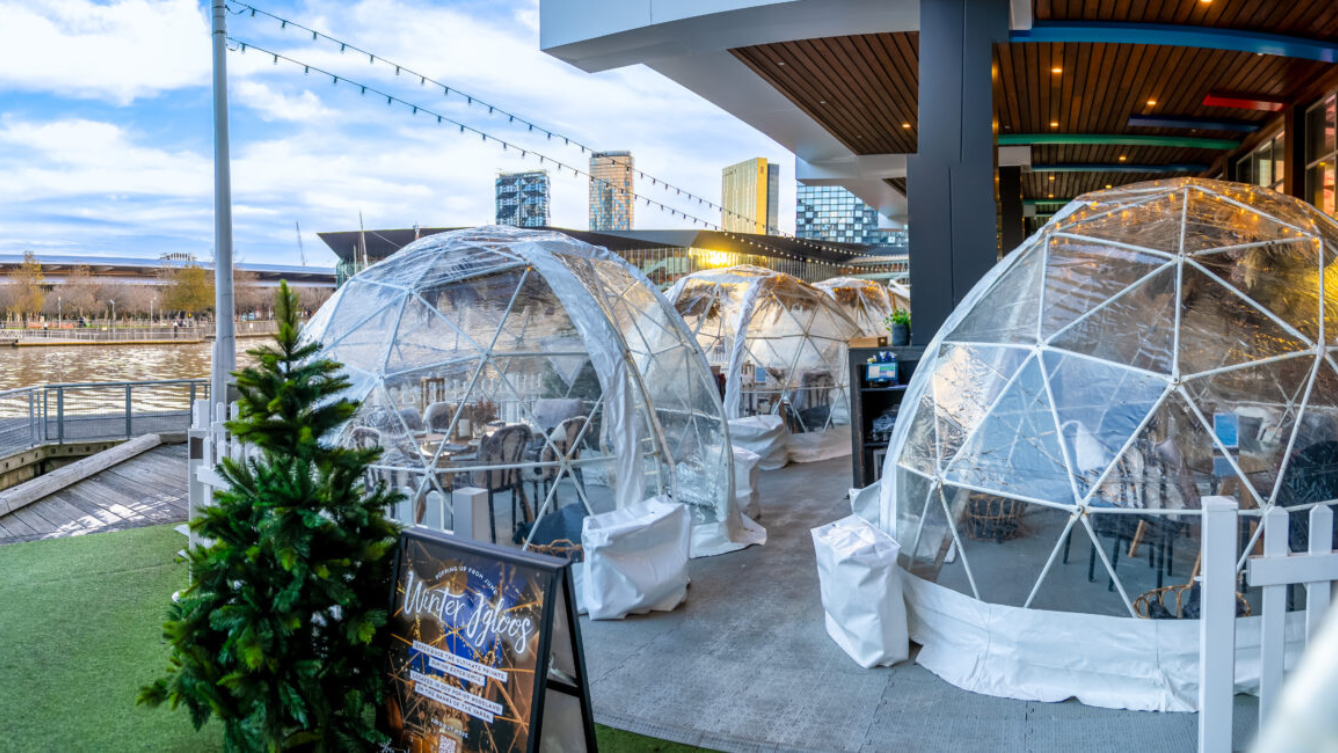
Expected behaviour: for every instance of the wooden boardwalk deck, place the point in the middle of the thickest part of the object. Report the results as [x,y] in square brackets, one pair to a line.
[149,489]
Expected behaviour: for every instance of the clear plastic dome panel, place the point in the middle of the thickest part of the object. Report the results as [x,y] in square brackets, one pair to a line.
[1148,347]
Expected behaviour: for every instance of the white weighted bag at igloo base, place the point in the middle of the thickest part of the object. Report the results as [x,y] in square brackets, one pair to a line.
[861,591]
[636,559]
[763,436]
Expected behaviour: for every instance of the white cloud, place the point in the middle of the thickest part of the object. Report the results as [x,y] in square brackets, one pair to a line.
[274,105]
[307,151]
[116,51]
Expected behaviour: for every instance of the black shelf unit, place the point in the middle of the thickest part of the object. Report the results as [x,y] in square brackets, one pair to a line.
[868,402]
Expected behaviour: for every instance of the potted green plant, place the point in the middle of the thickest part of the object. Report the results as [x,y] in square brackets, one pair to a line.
[899,324]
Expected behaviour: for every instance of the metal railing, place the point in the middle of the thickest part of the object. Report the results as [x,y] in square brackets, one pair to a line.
[121,333]
[91,411]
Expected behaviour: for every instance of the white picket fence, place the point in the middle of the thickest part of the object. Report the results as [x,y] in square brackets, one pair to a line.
[210,442]
[1273,571]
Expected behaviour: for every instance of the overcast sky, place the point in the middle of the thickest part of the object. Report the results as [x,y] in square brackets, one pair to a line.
[106,125]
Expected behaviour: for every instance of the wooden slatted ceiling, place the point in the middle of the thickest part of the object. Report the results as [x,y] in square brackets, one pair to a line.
[1314,19]
[862,88]
[1101,85]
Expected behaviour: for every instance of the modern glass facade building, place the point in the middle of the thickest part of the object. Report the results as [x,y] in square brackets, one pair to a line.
[522,199]
[831,213]
[611,190]
[751,197]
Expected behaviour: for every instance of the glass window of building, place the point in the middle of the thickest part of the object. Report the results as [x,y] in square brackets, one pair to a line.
[1320,154]
[1264,166]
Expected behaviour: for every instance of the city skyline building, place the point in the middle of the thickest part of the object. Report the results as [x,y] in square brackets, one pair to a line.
[611,189]
[523,198]
[832,213]
[750,195]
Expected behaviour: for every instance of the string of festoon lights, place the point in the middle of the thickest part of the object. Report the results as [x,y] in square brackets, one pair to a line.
[240,8]
[525,152]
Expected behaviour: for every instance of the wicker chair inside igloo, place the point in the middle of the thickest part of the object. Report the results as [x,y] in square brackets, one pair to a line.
[1150,346]
[528,353]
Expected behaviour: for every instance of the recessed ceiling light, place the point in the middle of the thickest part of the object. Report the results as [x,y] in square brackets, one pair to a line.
[1123,158]
[1054,124]
[1056,69]
[905,125]
[780,62]
[1052,177]
[822,101]
[1152,102]
[1107,185]
[1052,196]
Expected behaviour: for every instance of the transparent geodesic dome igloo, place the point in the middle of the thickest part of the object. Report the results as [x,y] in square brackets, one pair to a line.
[544,370]
[867,302]
[1150,346]
[779,342]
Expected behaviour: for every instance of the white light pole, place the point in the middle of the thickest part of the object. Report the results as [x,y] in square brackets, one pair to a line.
[225,338]
[112,323]
[60,313]
[152,301]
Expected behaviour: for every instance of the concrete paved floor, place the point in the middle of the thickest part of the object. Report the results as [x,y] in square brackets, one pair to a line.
[745,664]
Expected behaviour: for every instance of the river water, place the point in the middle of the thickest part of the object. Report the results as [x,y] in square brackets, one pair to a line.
[28,366]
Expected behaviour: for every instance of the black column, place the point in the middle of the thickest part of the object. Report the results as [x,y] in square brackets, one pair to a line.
[950,178]
[1012,225]
[1293,147]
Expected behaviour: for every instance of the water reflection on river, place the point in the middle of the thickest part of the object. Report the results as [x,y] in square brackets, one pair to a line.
[23,367]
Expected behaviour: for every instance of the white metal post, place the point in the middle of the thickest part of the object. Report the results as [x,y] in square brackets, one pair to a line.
[225,346]
[1217,625]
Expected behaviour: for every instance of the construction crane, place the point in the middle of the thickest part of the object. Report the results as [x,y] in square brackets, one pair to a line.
[302,252]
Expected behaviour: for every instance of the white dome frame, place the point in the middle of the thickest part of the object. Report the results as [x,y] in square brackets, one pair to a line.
[610,320]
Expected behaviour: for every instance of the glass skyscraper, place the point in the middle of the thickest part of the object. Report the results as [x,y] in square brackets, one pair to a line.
[750,194]
[831,213]
[611,189]
[522,199]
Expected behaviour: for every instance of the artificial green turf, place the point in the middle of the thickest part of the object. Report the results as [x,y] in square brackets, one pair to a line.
[81,631]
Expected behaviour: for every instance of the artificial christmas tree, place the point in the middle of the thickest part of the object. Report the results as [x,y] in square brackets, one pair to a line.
[279,633]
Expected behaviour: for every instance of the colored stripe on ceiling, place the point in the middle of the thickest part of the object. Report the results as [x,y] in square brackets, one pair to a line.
[1242,102]
[1184,121]
[1120,139]
[1105,167]
[1178,35]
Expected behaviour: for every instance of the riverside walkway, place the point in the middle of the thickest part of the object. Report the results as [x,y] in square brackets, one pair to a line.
[148,489]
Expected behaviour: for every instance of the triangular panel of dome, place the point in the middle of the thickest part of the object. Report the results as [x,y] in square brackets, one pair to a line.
[772,319]
[1166,466]
[314,328]
[1260,405]
[1270,204]
[967,380]
[1153,224]
[537,321]
[357,302]
[424,339]
[1330,283]
[921,523]
[1316,429]
[1082,274]
[1220,328]
[367,342]
[1211,222]
[1099,406]
[1055,590]
[920,450]
[1008,310]
[1136,327]
[1015,449]
[463,263]
[1281,277]
[441,390]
